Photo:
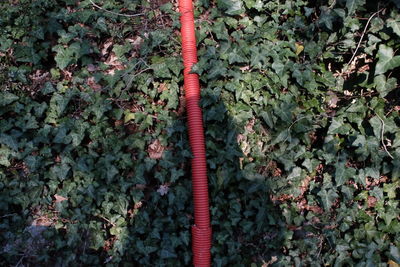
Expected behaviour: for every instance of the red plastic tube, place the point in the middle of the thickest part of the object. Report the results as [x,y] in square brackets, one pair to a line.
[201,230]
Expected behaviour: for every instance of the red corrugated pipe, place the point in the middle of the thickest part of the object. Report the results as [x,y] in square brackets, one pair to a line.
[201,230]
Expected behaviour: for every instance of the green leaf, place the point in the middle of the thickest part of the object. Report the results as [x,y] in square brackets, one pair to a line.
[278,67]
[343,173]
[361,177]
[175,174]
[231,7]
[352,5]
[376,126]
[372,172]
[4,156]
[384,86]
[166,254]
[395,253]
[9,141]
[236,57]
[397,3]
[328,197]
[47,88]
[389,216]
[387,60]
[60,171]
[63,57]
[268,118]
[128,116]
[7,98]
[395,25]
[338,126]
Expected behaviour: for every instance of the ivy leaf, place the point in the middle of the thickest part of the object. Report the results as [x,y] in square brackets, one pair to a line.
[47,88]
[9,141]
[257,57]
[338,126]
[376,126]
[4,155]
[166,254]
[361,177]
[343,173]
[371,172]
[327,197]
[387,60]
[395,253]
[352,5]
[79,133]
[60,171]
[268,118]
[236,57]
[175,174]
[7,98]
[231,7]
[395,25]
[384,86]
[278,67]
[63,57]
[397,3]
[326,17]
[128,116]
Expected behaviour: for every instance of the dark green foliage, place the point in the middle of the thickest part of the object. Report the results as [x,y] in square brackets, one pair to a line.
[303,146]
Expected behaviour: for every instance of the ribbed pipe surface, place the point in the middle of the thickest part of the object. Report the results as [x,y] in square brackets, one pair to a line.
[201,230]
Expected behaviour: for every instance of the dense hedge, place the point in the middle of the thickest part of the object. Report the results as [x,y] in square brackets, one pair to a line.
[301,110]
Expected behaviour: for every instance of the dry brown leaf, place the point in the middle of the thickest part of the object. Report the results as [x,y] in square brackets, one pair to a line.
[277,172]
[67,75]
[136,42]
[59,198]
[371,201]
[105,47]
[140,186]
[393,264]
[332,99]
[162,87]
[92,83]
[304,184]
[249,126]
[155,150]
[270,262]
[91,67]
[314,209]
[182,105]
[163,189]
[363,68]
[118,123]
[42,221]
[113,61]
[245,68]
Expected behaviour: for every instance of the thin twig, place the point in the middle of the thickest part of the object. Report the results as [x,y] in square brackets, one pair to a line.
[107,220]
[291,125]
[299,119]
[20,261]
[362,35]
[133,76]
[115,13]
[8,215]
[382,138]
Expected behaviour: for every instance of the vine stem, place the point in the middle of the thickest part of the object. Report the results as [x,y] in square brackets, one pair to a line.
[382,138]
[362,35]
